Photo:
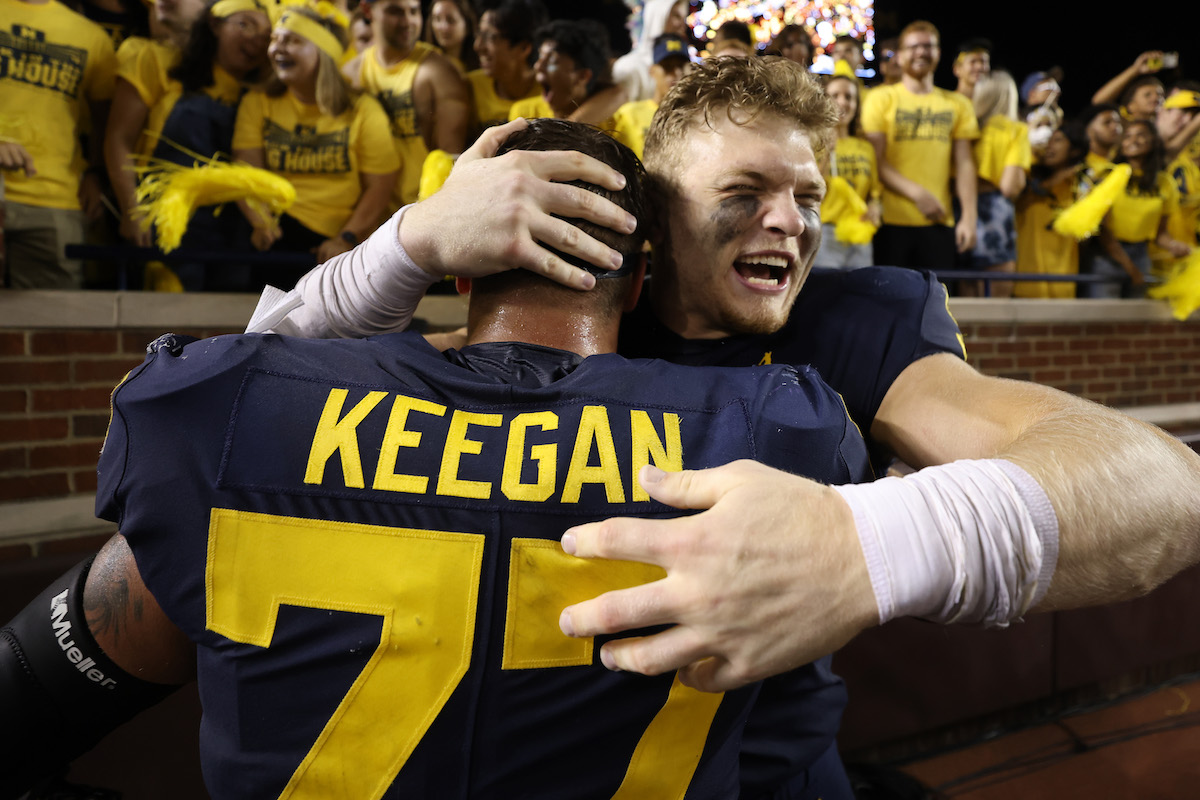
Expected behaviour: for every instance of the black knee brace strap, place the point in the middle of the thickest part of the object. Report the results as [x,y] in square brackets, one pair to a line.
[59,692]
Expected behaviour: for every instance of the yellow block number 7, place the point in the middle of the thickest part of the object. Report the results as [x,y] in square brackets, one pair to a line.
[258,562]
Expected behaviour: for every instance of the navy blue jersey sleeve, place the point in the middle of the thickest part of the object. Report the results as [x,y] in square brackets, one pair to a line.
[861,328]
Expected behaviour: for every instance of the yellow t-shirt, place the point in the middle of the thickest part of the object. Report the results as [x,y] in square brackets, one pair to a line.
[631,122]
[920,131]
[392,87]
[537,108]
[1002,143]
[1135,215]
[53,62]
[1184,222]
[322,156]
[489,108]
[854,160]
[1097,163]
[1040,248]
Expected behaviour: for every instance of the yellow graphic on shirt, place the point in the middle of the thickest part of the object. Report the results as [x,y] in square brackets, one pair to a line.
[303,149]
[922,125]
[26,57]
[401,111]
[766,359]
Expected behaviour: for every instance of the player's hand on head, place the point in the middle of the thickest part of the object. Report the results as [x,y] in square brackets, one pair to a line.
[494,213]
[769,577]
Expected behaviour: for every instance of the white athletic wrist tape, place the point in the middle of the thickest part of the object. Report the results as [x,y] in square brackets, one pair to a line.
[373,288]
[971,541]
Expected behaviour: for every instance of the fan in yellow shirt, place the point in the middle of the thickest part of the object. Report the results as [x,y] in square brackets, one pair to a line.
[1003,159]
[310,127]
[854,162]
[572,66]
[1054,184]
[58,74]
[171,104]
[423,93]
[1137,218]
[922,136]
[505,46]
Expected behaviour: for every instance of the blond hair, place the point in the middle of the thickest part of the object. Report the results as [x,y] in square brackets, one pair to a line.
[742,89]
[333,93]
[995,94]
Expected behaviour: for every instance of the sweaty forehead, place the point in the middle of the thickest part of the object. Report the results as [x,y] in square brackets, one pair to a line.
[768,148]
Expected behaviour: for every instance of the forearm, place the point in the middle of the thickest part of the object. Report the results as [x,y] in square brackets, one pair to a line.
[966,185]
[1111,91]
[373,288]
[1126,496]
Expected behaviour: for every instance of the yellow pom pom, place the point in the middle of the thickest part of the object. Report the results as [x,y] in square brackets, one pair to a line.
[169,194]
[434,172]
[1182,289]
[843,205]
[1082,218]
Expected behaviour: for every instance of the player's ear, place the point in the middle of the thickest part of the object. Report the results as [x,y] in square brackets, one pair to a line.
[463,285]
[635,285]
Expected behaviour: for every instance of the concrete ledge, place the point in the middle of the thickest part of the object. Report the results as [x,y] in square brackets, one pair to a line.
[165,311]
[35,521]
[987,310]
[36,309]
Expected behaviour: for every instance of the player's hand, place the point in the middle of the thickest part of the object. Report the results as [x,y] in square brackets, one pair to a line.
[964,235]
[929,205]
[492,213]
[14,156]
[770,577]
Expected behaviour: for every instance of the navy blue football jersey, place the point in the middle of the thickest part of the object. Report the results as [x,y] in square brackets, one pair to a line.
[859,329]
[362,539]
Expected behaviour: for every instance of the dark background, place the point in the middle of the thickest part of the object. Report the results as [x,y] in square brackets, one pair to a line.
[1090,41]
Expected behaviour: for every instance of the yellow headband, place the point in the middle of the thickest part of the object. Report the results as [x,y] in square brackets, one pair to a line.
[227,8]
[312,30]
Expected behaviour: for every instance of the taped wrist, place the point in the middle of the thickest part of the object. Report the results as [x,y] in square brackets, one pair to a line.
[60,693]
[971,541]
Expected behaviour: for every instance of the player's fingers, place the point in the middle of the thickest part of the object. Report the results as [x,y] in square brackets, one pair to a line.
[568,238]
[576,202]
[491,139]
[649,541]
[534,257]
[713,675]
[653,655]
[651,603]
[570,165]
[694,488]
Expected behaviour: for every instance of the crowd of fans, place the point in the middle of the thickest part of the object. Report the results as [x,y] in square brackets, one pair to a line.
[349,102]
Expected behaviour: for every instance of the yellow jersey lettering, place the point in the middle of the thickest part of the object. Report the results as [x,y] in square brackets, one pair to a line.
[397,436]
[339,436]
[458,445]
[545,455]
[667,455]
[594,428]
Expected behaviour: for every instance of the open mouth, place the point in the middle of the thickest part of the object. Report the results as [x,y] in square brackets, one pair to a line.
[762,271]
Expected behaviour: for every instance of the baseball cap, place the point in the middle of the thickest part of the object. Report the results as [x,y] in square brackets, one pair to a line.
[1183,99]
[1034,81]
[669,45]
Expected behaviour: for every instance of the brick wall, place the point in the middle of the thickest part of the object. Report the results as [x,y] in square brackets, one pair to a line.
[1119,364]
[54,390]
